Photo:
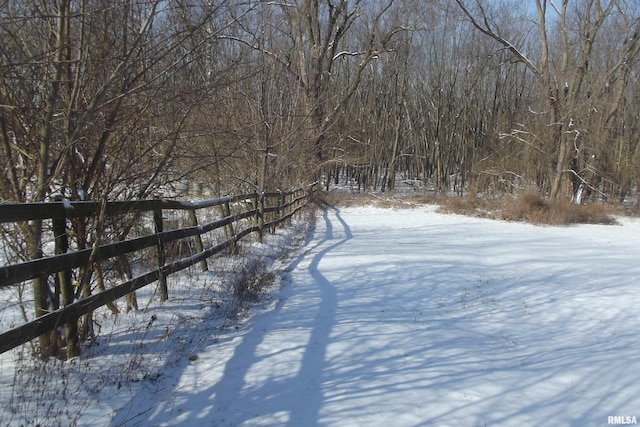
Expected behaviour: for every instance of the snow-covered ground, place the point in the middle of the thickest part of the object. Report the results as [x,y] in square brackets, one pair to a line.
[384,318]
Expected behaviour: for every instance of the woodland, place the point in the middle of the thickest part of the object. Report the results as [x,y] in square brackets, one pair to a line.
[119,99]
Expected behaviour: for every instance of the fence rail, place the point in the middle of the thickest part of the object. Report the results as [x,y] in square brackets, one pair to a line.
[265,212]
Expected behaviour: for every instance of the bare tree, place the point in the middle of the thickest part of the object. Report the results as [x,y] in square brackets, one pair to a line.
[314,39]
[95,101]
[562,64]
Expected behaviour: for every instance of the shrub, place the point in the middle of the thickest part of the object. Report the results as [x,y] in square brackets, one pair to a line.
[532,208]
[528,207]
[592,214]
[252,280]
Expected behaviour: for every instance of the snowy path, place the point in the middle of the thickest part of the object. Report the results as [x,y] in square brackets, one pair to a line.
[412,318]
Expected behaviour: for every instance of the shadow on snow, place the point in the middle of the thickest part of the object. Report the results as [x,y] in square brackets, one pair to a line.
[492,341]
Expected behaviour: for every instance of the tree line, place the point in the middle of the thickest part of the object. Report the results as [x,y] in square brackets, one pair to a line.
[117,99]
[123,99]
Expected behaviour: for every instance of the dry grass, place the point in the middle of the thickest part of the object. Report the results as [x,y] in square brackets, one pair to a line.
[347,199]
[532,208]
[528,207]
[382,201]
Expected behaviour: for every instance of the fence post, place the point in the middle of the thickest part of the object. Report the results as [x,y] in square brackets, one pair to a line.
[229,233]
[282,211]
[198,240]
[272,215]
[162,280]
[260,215]
[292,201]
[287,201]
[296,201]
[61,239]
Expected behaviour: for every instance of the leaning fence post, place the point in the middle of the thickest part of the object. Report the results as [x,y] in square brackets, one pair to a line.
[198,240]
[157,219]
[61,239]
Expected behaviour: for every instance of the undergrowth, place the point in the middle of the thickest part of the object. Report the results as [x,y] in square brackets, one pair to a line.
[527,207]
[530,207]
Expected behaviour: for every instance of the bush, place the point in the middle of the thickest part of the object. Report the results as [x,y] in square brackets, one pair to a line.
[252,280]
[529,207]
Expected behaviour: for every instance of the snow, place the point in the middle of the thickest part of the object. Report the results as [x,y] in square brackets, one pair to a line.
[383,318]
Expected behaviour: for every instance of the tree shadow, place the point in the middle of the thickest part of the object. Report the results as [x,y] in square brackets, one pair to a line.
[277,394]
[313,362]
[430,336]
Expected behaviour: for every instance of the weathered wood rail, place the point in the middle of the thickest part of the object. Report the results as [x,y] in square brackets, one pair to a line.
[263,212]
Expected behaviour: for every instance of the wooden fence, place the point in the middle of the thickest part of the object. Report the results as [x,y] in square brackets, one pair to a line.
[261,211]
